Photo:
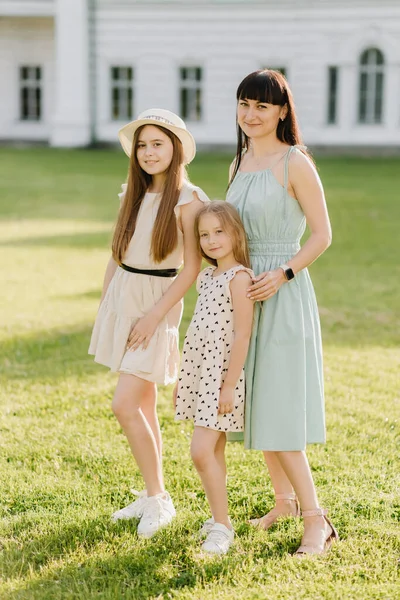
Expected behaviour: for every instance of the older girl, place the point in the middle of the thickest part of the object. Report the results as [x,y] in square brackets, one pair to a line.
[136,330]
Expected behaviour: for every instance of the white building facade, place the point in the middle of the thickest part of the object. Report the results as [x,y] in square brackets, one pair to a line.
[73,71]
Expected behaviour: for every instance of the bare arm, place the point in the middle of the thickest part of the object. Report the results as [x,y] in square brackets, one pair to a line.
[309,193]
[243,321]
[146,326]
[109,274]
[191,262]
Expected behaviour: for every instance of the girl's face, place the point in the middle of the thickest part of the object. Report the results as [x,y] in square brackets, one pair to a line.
[215,241]
[154,150]
[257,119]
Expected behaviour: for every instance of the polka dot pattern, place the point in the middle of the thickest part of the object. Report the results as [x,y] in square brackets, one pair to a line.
[205,356]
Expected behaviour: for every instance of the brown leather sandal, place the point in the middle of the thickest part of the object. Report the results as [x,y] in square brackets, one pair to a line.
[325,545]
[274,514]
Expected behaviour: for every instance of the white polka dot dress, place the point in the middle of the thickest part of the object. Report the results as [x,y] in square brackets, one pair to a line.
[205,356]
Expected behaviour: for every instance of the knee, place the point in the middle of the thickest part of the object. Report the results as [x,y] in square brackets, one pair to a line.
[123,409]
[200,456]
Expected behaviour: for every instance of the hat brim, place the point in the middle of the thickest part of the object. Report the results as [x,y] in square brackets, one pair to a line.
[126,135]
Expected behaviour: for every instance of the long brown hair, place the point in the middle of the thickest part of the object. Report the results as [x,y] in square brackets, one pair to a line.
[229,219]
[270,87]
[165,234]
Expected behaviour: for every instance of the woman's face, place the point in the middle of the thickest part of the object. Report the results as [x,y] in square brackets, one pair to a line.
[154,150]
[257,119]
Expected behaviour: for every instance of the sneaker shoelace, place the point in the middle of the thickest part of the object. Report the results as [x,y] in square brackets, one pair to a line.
[153,509]
[217,537]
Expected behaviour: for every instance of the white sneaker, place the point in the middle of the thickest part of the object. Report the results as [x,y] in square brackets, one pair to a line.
[206,528]
[134,510]
[219,540]
[158,511]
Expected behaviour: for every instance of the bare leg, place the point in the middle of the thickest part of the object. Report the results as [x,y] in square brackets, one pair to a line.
[297,469]
[279,479]
[133,399]
[220,453]
[149,410]
[212,470]
[282,487]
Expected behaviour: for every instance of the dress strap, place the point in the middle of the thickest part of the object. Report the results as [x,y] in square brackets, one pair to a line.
[232,272]
[286,167]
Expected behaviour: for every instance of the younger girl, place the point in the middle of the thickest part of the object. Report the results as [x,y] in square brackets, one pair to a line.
[211,382]
[136,330]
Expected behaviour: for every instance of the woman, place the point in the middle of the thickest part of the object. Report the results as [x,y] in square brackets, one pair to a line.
[276,189]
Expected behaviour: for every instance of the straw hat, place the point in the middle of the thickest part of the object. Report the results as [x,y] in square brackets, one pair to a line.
[163,118]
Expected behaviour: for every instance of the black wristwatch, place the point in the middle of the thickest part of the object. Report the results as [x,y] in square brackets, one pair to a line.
[287,271]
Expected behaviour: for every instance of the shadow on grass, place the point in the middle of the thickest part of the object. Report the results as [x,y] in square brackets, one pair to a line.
[55,354]
[48,355]
[137,568]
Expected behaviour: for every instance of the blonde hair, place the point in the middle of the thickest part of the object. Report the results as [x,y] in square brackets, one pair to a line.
[230,220]
[165,234]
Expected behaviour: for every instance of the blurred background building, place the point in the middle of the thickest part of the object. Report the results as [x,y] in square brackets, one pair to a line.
[73,71]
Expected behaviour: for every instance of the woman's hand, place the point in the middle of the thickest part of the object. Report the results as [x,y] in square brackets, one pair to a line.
[142,332]
[266,285]
[226,400]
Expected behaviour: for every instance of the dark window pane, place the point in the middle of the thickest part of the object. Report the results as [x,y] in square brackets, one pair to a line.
[362,109]
[372,56]
[130,73]
[183,73]
[198,74]
[379,57]
[38,73]
[184,103]
[364,57]
[115,103]
[332,93]
[198,105]
[115,73]
[38,103]
[378,98]
[130,103]
[24,103]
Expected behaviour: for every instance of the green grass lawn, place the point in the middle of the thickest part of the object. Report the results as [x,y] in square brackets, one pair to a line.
[65,464]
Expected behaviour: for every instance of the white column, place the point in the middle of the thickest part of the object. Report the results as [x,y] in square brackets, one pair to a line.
[71,120]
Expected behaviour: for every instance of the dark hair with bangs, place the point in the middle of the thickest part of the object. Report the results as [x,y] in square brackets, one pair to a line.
[270,87]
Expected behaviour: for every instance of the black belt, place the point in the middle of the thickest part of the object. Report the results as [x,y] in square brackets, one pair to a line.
[154,272]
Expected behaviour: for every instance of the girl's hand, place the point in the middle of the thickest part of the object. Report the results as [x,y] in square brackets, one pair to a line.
[226,400]
[142,332]
[266,285]
[174,395]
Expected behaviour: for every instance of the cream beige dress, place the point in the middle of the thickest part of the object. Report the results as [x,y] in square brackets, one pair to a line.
[131,295]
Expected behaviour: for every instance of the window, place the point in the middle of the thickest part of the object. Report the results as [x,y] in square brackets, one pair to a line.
[121,93]
[370,106]
[30,79]
[333,74]
[191,93]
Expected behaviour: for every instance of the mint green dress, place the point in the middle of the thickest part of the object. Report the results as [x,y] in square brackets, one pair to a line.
[284,371]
